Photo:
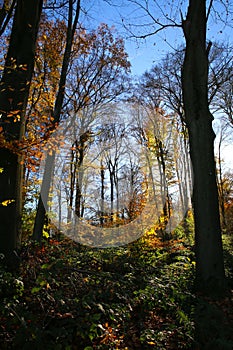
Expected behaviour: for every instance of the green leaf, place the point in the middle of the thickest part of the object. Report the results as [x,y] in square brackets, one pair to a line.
[43,283]
[35,290]
[45,266]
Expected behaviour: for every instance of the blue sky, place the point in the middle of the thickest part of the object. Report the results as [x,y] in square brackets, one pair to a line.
[146,52]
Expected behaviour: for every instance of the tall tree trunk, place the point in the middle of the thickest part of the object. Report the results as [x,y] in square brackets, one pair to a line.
[209,255]
[111,175]
[80,153]
[73,166]
[102,176]
[116,182]
[14,93]
[41,212]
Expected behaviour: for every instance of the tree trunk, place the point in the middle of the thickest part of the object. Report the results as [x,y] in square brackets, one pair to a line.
[80,153]
[72,24]
[14,93]
[73,166]
[102,175]
[111,175]
[210,275]
[43,198]
[78,198]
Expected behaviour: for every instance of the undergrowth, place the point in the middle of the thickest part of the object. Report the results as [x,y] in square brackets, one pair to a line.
[67,296]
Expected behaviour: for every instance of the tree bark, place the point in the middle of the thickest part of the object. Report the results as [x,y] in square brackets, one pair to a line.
[71,28]
[102,176]
[73,169]
[14,93]
[210,275]
[81,146]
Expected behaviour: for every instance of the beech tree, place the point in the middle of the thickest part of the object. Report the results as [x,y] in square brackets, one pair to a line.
[43,91]
[97,76]
[15,83]
[73,16]
[208,245]
[209,256]
[98,73]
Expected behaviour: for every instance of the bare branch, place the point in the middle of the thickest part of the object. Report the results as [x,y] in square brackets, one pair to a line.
[209,9]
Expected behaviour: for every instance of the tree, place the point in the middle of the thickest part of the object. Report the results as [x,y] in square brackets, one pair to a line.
[163,144]
[221,73]
[223,135]
[73,16]
[209,255]
[97,74]
[113,135]
[14,93]
[134,189]
[208,245]
[162,85]
[226,200]
[43,90]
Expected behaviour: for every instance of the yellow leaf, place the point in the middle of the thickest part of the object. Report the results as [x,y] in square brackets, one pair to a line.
[17,118]
[7,202]
[45,234]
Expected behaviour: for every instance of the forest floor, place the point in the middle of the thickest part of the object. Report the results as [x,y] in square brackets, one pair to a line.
[67,296]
